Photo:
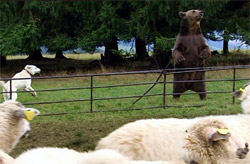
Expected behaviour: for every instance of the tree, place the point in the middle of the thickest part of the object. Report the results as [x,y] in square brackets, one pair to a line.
[62,27]
[229,22]
[101,28]
[19,31]
[235,14]
[27,25]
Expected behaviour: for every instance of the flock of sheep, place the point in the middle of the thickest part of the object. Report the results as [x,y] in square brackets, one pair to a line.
[203,140]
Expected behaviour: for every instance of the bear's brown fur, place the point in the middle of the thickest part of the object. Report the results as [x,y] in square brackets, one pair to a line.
[190,50]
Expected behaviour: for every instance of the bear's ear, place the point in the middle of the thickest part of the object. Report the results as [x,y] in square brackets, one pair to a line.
[182,14]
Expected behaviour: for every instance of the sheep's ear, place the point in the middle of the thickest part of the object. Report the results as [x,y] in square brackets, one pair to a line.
[213,134]
[19,114]
[27,113]
[36,112]
[27,66]
[237,93]
[182,14]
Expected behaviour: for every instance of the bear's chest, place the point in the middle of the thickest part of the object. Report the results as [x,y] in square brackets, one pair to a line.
[192,44]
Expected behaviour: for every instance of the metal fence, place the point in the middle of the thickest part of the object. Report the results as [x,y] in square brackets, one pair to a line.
[162,72]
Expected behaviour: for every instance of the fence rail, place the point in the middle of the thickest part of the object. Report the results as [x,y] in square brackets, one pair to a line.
[164,72]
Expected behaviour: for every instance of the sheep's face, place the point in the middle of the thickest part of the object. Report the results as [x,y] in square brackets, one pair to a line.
[18,111]
[211,140]
[243,94]
[238,146]
[14,123]
[32,69]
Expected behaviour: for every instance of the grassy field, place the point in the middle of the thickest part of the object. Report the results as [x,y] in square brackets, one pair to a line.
[82,131]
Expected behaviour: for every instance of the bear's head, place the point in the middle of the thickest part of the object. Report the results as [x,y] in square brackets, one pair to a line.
[192,17]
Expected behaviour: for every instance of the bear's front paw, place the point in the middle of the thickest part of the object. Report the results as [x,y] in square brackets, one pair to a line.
[204,54]
[180,59]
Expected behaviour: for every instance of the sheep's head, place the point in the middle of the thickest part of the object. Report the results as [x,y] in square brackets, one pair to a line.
[243,94]
[210,141]
[32,69]
[18,111]
[14,123]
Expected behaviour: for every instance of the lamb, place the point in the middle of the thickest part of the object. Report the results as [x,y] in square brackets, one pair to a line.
[244,96]
[203,140]
[20,84]
[14,123]
[52,155]
[5,158]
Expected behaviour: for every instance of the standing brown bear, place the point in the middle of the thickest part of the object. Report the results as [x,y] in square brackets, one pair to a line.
[190,51]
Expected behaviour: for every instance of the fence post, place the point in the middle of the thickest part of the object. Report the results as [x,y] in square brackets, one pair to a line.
[234,73]
[164,89]
[10,89]
[91,93]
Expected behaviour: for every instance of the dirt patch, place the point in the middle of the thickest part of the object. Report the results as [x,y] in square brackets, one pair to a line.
[77,135]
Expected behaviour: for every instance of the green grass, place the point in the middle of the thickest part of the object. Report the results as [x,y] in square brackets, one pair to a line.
[100,105]
[82,131]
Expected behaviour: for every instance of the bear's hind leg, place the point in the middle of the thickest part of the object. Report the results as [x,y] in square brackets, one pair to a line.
[200,88]
[178,89]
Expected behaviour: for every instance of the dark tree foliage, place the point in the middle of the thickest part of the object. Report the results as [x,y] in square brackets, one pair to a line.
[102,26]
[63,25]
[19,30]
[229,23]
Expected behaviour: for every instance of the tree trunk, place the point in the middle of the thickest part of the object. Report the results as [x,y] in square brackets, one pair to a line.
[109,58]
[59,55]
[35,55]
[141,50]
[3,60]
[109,46]
[225,47]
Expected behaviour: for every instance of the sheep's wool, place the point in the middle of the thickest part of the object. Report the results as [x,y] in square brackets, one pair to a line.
[181,139]
[205,152]
[67,156]
[245,98]
[11,128]
[13,123]
[5,158]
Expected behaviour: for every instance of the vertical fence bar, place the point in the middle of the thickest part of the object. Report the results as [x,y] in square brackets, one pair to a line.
[164,89]
[10,89]
[234,73]
[91,93]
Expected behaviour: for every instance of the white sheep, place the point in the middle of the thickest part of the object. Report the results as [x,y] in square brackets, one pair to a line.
[20,84]
[202,140]
[5,158]
[14,123]
[49,155]
[244,96]
[107,156]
